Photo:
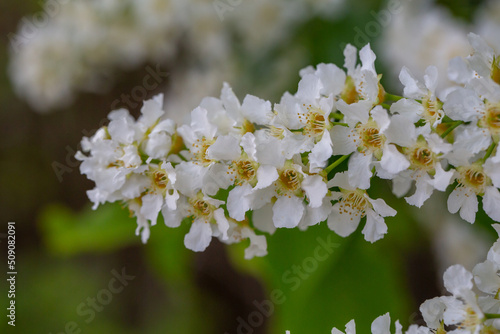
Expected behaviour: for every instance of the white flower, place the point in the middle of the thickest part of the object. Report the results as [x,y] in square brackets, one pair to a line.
[307,111]
[258,243]
[247,174]
[290,189]
[365,138]
[429,109]
[473,181]
[208,219]
[354,204]
[461,308]
[362,81]
[423,151]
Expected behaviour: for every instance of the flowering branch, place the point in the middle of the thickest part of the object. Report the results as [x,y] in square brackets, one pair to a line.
[235,158]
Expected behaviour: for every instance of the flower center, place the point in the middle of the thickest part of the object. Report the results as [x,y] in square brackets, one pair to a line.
[315,122]
[201,147]
[349,94]
[201,207]
[245,170]
[421,157]
[432,110]
[276,132]
[117,164]
[353,202]
[491,119]
[290,179]
[474,178]
[160,179]
[471,320]
[495,70]
[370,136]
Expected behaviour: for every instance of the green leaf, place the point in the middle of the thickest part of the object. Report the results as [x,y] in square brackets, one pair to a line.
[67,233]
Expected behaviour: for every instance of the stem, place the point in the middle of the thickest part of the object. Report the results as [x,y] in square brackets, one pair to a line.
[181,156]
[339,123]
[392,97]
[489,151]
[336,163]
[337,116]
[492,316]
[386,106]
[451,128]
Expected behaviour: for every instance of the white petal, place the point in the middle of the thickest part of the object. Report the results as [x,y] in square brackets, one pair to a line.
[343,140]
[466,201]
[491,203]
[431,78]
[413,89]
[189,177]
[486,277]
[171,197]
[270,152]
[463,104]
[381,325]
[266,175]
[382,208]
[173,218]
[350,58]
[238,201]
[230,101]
[222,223]
[359,170]
[262,220]
[256,110]
[456,279]
[401,131]
[393,161]
[408,108]
[249,146]
[432,311]
[458,71]
[401,186]
[151,206]
[151,111]
[158,145]
[315,215]
[332,78]
[380,116]
[340,180]
[423,191]
[355,112]
[287,212]
[442,178]
[367,57]
[200,123]
[375,226]
[225,148]
[309,88]
[258,244]
[315,188]
[199,236]
[320,153]
[342,223]
[492,169]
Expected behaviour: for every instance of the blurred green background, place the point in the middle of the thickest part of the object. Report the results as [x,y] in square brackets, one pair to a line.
[68,254]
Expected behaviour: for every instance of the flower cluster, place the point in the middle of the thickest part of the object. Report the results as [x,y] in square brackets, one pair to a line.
[465,311]
[242,168]
[79,43]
